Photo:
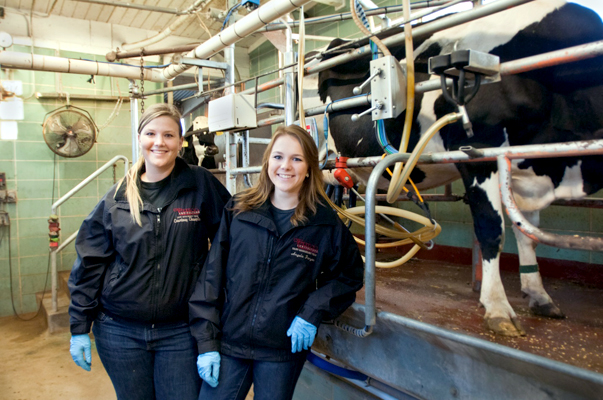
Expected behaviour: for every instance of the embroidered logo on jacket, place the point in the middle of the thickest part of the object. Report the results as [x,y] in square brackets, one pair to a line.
[187,215]
[304,250]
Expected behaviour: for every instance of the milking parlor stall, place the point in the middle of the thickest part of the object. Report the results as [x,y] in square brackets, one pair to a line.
[455,137]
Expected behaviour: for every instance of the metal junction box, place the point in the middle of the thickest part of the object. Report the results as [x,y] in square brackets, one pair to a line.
[233,112]
[387,88]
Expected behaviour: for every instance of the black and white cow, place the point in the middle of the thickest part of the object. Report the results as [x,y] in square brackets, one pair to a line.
[556,104]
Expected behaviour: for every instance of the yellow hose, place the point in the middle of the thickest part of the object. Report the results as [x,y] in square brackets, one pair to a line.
[410,92]
[362,28]
[395,187]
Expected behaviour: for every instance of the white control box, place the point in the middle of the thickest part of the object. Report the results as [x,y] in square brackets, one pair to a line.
[233,112]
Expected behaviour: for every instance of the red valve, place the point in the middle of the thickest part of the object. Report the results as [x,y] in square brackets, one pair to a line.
[341,174]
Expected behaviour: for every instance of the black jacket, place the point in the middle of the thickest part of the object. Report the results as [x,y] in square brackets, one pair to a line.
[254,282]
[145,274]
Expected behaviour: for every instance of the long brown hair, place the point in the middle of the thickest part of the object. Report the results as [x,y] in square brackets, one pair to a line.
[132,191]
[309,194]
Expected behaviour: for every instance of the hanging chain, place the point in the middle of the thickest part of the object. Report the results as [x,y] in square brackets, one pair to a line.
[142,81]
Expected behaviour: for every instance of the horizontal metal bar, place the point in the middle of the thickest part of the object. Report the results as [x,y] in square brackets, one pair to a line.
[164,10]
[531,231]
[70,96]
[276,26]
[568,149]
[204,63]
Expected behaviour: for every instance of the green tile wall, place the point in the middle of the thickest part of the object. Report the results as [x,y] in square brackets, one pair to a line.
[40,177]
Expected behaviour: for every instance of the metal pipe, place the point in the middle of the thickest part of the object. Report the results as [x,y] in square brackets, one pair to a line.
[164,10]
[419,32]
[196,6]
[67,241]
[370,237]
[277,26]
[567,55]
[289,59]
[265,86]
[118,55]
[89,179]
[134,121]
[55,206]
[531,231]
[36,62]
[239,30]
[80,97]
[229,58]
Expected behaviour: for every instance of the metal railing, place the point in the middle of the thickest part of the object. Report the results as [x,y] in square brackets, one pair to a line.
[55,206]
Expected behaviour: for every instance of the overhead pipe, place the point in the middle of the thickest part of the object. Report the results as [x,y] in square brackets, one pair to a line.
[278,26]
[420,32]
[242,28]
[197,5]
[10,59]
[118,55]
[143,7]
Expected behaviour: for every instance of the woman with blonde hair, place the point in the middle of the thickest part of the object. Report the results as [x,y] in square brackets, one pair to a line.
[281,262]
[139,254]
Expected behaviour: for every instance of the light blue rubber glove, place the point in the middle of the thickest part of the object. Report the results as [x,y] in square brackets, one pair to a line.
[80,350]
[302,334]
[208,367]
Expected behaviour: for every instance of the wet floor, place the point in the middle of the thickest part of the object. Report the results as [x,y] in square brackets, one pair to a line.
[440,294]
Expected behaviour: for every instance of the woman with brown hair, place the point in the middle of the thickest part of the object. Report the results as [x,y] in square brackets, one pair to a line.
[139,254]
[281,263]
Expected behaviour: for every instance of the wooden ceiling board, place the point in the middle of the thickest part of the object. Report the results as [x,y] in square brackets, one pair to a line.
[25,4]
[93,13]
[152,22]
[128,17]
[81,10]
[12,3]
[105,14]
[67,8]
[141,19]
[116,15]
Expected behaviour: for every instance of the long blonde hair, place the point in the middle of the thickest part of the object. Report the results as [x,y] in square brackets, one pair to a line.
[310,192]
[132,190]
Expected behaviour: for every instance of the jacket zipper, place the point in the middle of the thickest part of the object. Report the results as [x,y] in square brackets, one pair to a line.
[263,284]
[157,277]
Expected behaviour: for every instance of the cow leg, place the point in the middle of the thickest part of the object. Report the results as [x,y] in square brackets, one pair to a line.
[531,281]
[483,196]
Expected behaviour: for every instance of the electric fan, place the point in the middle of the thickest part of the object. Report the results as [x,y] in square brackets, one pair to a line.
[69,131]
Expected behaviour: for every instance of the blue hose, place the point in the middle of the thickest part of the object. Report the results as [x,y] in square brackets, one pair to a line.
[334,369]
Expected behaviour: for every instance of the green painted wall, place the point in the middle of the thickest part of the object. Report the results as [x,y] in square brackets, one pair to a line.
[41,178]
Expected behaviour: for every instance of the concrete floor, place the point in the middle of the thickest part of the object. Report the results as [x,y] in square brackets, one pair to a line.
[37,365]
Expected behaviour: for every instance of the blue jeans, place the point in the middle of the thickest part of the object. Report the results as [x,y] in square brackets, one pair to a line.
[272,380]
[147,362]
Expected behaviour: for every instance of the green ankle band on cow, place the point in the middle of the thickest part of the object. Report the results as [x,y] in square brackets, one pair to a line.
[527,269]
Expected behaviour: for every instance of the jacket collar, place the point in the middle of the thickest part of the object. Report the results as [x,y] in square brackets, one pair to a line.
[262,217]
[182,175]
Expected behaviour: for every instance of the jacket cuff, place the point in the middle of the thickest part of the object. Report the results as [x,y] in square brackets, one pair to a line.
[204,347]
[311,315]
[80,328]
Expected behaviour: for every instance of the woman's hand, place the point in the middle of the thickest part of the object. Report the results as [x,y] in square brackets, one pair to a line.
[208,367]
[302,334]
[80,351]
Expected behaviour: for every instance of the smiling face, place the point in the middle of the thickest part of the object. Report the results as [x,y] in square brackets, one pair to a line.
[287,166]
[160,142]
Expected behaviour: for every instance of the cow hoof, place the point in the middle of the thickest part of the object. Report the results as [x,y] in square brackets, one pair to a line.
[505,327]
[549,310]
